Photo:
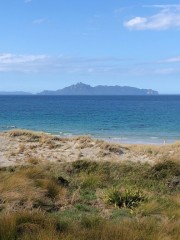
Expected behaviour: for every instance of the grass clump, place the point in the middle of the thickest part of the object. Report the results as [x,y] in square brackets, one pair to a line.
[24,225]
[33,136]
[124,198]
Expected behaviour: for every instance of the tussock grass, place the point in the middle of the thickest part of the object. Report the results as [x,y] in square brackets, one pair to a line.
[68,201]
[25,225]
[27,133]
[111,147]
[84,142]
[33,160]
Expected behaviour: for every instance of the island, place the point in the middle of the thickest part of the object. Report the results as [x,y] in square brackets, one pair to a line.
[84,89]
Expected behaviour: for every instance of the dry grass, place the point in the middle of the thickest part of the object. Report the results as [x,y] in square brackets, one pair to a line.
[28,187]
[171,151]
[36,225]
[110,147]
[33,160]
[27,225]
[84,142]
[67,201]
[28,133]
[18,191]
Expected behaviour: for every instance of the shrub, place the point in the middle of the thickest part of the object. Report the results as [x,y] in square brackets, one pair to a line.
[165,169]
[127,198]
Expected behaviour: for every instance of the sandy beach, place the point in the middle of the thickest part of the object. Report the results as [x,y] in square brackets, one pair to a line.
[18,147]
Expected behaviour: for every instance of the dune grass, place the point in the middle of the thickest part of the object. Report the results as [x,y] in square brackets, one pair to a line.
[75,201]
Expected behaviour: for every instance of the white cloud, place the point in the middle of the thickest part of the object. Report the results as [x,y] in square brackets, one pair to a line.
[135,22]
[167,18]
[9,58]
[39,21]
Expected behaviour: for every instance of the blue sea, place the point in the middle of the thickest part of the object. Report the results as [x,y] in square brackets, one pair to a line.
[127,119]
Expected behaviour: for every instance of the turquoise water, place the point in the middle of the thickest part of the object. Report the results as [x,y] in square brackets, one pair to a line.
[139,119]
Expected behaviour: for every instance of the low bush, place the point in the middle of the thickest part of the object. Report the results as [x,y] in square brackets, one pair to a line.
[165,169]
[126,198]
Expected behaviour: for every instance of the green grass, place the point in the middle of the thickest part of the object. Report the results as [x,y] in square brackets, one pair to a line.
[34,204]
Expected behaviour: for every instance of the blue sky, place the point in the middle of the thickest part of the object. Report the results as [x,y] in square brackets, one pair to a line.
[50,44]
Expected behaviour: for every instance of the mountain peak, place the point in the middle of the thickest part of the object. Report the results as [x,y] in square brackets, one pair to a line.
[80,84]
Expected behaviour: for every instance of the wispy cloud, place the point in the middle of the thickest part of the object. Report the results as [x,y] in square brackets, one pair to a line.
[88,65]
[39,21]
[119,10]
[43,63]
[164,6]
[27,1]
[171,60]
[167,18]
[21,63]
[165,71]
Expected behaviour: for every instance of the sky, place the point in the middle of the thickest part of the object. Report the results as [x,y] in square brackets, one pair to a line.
[51,44]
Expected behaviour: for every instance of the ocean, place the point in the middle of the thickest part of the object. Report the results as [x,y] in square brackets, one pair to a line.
[127,119]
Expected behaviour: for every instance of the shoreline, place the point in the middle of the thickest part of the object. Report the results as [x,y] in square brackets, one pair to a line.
[122,139]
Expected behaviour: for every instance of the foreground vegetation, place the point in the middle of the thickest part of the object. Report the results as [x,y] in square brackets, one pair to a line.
[88,200]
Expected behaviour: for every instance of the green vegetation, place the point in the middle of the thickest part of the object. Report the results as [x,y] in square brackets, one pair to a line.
[124,198]
[87,200]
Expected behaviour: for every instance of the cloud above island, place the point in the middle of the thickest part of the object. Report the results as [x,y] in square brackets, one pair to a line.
[167,18]
[43,63]
[91,65]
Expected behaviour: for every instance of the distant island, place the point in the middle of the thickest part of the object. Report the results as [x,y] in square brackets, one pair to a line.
[84,89]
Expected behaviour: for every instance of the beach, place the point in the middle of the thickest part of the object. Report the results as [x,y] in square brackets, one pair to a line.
[17,147]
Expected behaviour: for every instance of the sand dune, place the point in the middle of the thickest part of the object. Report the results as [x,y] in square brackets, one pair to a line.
[18,147]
